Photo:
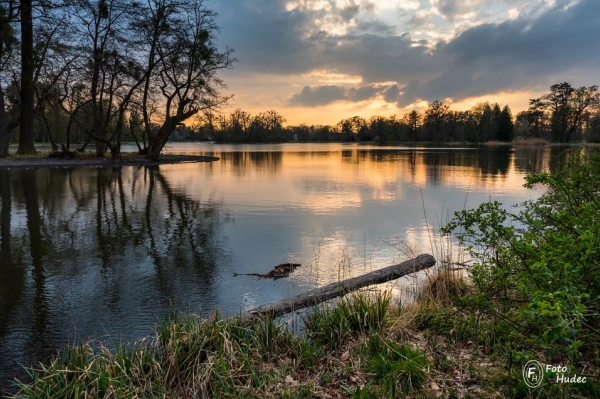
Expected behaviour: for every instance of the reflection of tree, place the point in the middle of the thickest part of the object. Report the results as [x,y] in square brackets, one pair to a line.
[37,249]
[12,277]
[494,161]
[531,159]
[561,156]
[243,162]
[140,218]
[5,213]
[436,163]
[538,159]
[13,270]
[105,248]
[350,157]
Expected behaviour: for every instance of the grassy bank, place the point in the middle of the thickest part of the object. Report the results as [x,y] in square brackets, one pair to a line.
[363,347]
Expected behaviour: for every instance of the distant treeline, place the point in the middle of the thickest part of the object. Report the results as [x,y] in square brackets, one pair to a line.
[563,115]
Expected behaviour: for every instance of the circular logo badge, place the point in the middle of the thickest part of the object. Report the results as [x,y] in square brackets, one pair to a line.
[533,373]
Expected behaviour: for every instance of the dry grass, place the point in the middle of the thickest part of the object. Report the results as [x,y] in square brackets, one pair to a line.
[529,141]
[443,287]
[496,143]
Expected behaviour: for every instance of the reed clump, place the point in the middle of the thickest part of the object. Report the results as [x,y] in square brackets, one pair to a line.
[444,287]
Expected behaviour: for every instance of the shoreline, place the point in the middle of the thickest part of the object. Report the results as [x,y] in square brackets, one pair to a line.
[129,159]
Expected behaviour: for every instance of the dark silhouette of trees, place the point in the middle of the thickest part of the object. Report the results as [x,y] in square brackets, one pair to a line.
[352,129]
[435,122]
[266,127]
[534,122]
[108,69]
[188,71]
[561,114]
[593,128]
[412,121]
[506,127]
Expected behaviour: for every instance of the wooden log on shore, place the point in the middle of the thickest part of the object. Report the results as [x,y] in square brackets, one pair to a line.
[337,289]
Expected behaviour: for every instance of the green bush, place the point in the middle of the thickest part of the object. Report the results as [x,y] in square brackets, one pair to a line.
[538,269]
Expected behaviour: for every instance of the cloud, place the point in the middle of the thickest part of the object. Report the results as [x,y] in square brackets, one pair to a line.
[349,13]
[439,56]
[514,54]
[451,9]
[363,93]
[323,95]
[392,94]
[265,36]
[270,39]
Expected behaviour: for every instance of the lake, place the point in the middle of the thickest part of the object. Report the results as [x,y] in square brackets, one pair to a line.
[106,253]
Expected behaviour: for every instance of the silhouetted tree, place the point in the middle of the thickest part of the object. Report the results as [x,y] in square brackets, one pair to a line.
[565,108]
[413,121]
[435,122]
[190,83]
[350,128]
[7,43]
[26,139]
[506,127]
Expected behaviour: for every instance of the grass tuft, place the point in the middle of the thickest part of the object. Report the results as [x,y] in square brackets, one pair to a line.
[330,325]
[444,287]
[400,367]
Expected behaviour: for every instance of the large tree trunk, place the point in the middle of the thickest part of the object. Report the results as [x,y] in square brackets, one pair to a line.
[334,290]
[100,148]
[3,128]
[26,142]
[161,138]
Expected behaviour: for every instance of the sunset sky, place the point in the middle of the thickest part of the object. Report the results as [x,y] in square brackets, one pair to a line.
[318,61]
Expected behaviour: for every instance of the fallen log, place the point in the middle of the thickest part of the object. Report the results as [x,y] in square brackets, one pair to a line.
[337,289]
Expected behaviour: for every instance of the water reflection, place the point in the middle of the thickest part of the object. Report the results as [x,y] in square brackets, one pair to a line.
[94,252]
[242,163]
[89,252]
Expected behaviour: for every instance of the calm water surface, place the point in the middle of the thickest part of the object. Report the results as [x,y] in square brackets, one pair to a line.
[109,252]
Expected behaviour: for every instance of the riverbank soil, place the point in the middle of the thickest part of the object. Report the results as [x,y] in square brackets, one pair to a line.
[86,160]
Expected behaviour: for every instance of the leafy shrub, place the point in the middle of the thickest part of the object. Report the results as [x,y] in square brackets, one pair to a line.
[538,270]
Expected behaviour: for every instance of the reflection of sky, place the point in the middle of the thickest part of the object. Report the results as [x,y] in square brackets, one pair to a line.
[341,210]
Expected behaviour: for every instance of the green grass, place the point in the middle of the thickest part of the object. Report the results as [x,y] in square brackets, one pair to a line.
[330,325]
[37,155]
[400,368]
